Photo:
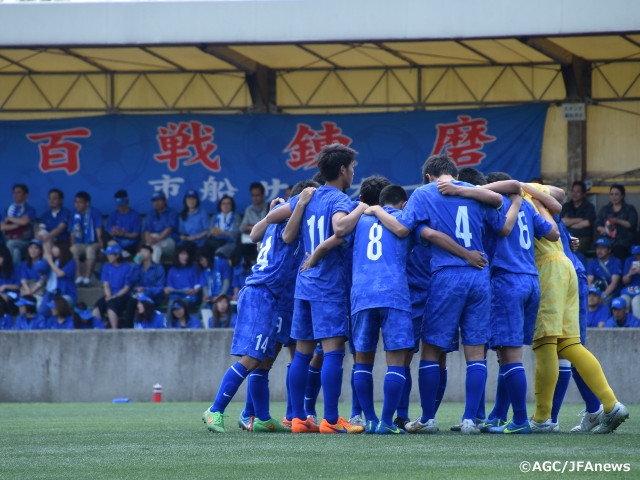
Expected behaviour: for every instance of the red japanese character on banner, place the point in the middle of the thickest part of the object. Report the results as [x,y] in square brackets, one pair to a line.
[57,152]
[307,143]
[191,141]
[463,141]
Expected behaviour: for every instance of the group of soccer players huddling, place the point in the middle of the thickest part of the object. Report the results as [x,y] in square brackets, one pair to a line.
[471,259]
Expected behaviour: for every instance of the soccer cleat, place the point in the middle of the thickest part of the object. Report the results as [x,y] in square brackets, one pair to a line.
[214,421]
[313,418]
[385,429]
[487,425]
[244,422]
[370,427]
[456,428]
[430,426]
[304,426]
[512,428]
[612,420]
[341,426]
[401,422]
[542,427]
[286,423]
[555,427]
[357,421]
[589,421]
[268,426]
[468,427]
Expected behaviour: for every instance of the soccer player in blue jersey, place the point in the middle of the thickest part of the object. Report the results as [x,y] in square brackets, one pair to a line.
[257,322]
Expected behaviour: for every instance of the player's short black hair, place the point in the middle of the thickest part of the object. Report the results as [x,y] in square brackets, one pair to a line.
[318,178]
[301,185]
[438,165]
[471,175]
[371,188]
[392,195]
[498,177]
[332,157]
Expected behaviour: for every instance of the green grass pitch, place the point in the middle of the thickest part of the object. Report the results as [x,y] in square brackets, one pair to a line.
[169,441]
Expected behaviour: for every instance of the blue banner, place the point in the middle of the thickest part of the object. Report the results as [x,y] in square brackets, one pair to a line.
[223,154]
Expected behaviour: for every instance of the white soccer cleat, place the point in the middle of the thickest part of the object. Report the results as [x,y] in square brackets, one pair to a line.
[612,420]
[589,421]
[430,426]
[469,427]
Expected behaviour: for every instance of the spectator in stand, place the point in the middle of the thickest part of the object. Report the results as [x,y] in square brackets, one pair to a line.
[28,318]
[240,274]
[146,277]
[146,314]
[31,279]
[222,317]
[9,281]
[620,316]
[83,318]
[618,220]
[605,270]
[161,227]
[225,228]
[597,312]
[124,225]
[17,224]
[252,215]
[215,279]
[579,216]
[631,280]
[193,222]
[61,315]
[179,316]
[54,223]
[86,236]
[115,275]
[58,269]
[6,320]
[183,282]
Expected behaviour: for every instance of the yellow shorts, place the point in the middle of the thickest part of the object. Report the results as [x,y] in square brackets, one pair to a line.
[558,315]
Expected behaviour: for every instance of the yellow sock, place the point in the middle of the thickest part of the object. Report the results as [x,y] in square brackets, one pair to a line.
[545,379]
[591,372]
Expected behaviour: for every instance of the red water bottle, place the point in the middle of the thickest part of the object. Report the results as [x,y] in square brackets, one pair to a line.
[157,393]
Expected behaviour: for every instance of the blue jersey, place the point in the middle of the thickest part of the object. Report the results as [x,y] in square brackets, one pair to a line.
[152,279]
[379,266]
[327,281]
[565,238]
[181,279]
[600,314]
[212,279]
[29,272]
[156,321]
[131,222]
[514,253]
[599,269]
[83,226]
[53,324]
[630,321]
[6,322]
[157,222]
[195,223]
[419,275]
[192,322]
[52,221]
[37,322]
[117,276]
[464,220]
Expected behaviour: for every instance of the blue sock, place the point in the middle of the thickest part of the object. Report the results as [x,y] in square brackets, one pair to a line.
[392,388]
[564,378]
[356,406]
[331,378]
[475,382]
[298,383]
[481,413]
[501,407]
[312,390]
[592,404]
[259,389]
[428,381]
[231,381]
[363,383]
[248,411]
[289,411]
[403,404]
[516,383]
[442,386]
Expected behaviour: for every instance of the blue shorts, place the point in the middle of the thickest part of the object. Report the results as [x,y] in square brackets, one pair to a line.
[257,319]
[460,299]
[314,320]
[416,323]
[515,298]
[282,330]
[396,327]
[418,301]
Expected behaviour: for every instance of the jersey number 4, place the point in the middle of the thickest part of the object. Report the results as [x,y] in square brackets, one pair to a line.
[462,226]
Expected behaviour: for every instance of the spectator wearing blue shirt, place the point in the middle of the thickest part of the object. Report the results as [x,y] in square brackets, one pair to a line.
[86,236]
[124,225]
[58,269]
[54,223]
[6,320]
[17,224]
[146,314]
[223,316]
[597,312]
[620,316]
[31,281]
[240,274]
[28,318]
[9,281]
[225,228]
[215,278]
[631,280]
[179,316]
[605,270]
[115,275]
[83,318]
[61,315]
[183,280]
[193,222]
[145,277]
[161,227]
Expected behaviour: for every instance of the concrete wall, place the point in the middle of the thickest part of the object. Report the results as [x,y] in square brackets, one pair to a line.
[97,366]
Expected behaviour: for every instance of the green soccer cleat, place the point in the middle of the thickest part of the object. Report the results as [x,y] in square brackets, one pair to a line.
[214,421]
[385,429]
[268,426]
